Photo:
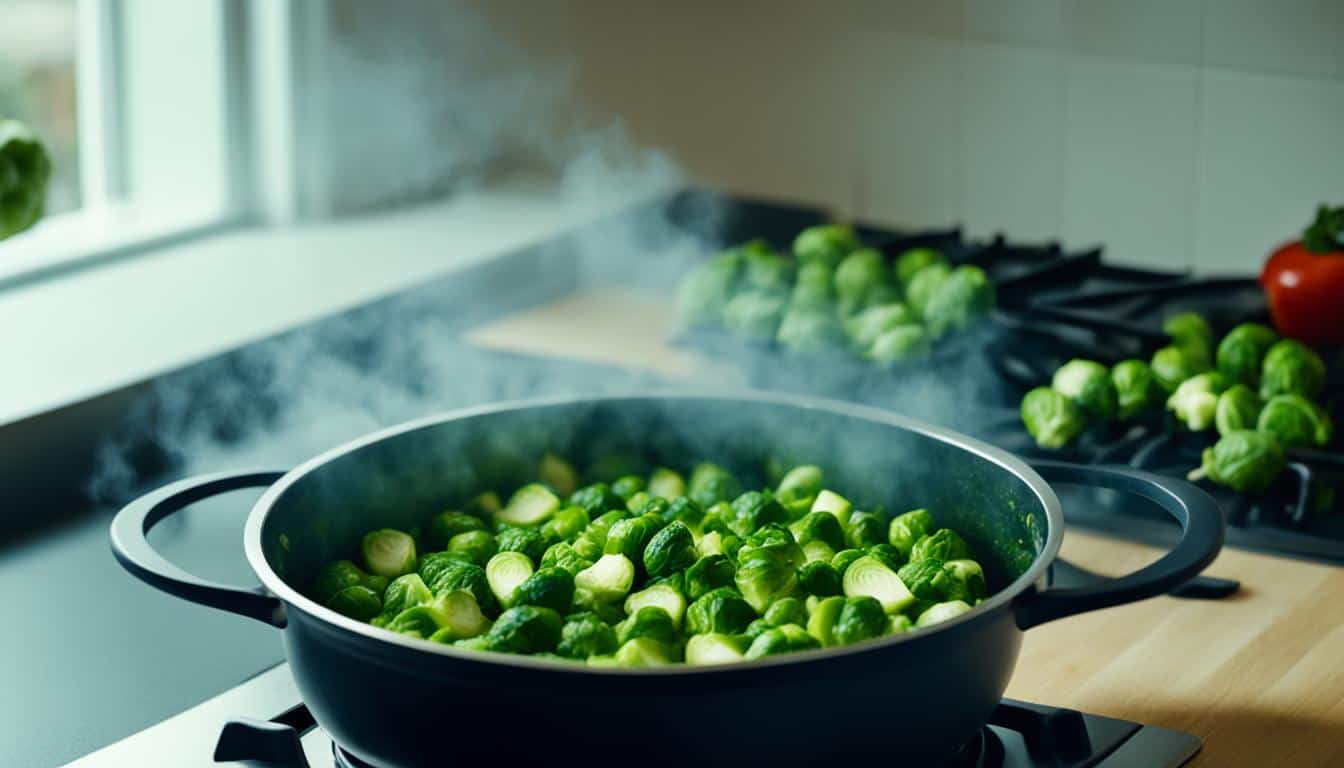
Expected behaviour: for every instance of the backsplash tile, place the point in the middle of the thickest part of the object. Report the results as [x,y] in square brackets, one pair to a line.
[1296,37]
[1156,31]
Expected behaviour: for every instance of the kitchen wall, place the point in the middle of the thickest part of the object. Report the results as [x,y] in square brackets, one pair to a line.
[1179,133]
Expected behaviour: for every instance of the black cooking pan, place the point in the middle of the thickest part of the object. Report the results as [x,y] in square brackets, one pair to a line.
[396,701]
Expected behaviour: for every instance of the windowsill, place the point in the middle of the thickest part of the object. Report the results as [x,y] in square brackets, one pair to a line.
[80,334]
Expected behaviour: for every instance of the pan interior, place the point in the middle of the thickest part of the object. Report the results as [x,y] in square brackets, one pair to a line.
[403,478]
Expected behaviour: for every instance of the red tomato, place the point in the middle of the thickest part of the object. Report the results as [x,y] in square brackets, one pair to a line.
[1304,282]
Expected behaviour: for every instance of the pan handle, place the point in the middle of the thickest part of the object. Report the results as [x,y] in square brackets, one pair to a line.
[1202,528]
[130,545]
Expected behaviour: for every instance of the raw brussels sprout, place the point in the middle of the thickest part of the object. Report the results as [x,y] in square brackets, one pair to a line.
[683,509]
[714,648]
[869,577]
[819,578]
[965,581]
[451,616]
[754,509]
[565,525]
[809,332]
[754,315]
[342,574]
[1238,408]
[358,602]
[1173,365]
[649,621]
[609,579]
[798,489]
[1242,351]
[1052,419]
[943,545]
[766,573]
[817,550]
[957,301]
[857,277]
[562,555]
[926,579]
[819,526]
[558,474]
[813,289]
[909,528]
[473,547]
[865,327]
[708,574]
[919,291]
[404,592]
[630,536]
[483,506]
[671,549]
[388,552]
[912,260]
[785,610]
[25,170]
[861,618]
[1296,421]
[755,629]
[824,244]
[1088,384]
[596,499]
[584,635]
[504,573]
[1196,400]
[722,610]
[822,618]
[941,612]
[664,596]
[864,530]
[644,652]
[710,484]
[900,343]
[889,555]
[785,639]
[530,505]
[765,270]
[444,526]
[547,588]
[844,558]
[1191,332]
[644,505]
[444,573]
[627,487]
[1245,460]
[1136,388]
[834,503]
[525,629]
[666,484]
[1291,368]
[704,293]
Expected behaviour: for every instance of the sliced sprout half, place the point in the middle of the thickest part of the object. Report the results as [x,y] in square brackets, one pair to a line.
[505,572]
[661,596]
[530,505]
[869,577]
[607,580]
[714,648]
[830,501]
[666,484]
[942,612]
[388,552]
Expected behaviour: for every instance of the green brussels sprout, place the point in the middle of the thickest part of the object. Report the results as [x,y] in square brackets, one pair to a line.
[444,573]
[754,315]
[864,530]
[666,484]
[629,537]
[889,555]
[341,574]
[923,284]
[704,293]
[766,573]
[478,643]
[649,621]
[898,624]
[717,519]
[585,634]
[825,244]
[626,487]
[926,579]
[444,526]
[755,629]
[1052,419]
[942,545]
[785,610]
[708,574]
[834,503]
[356,601]
[1291,368]
[941,612]
[965,581]
[1245,460]
[643,504]
[755,509]
[530,505]
[710,484]
[548,588]
[817,550]
[528,542]
[404,592]
[774,538]
[908,528]
[388,552]
[1190,332]
[912,260]
[1195,401]
[588,549]
[1295,421]
[721,610]
[664,596]
[1136,388]
[504,573]
[596,499]
[813,289]
[845,558]
[1242,351]
[558,474]
[869,577]
[966,295]
[610,611]
[819,578]
[25,170]
[821,620]
[809,332]
[565,525]
[609,579]
[482,506]
[682,509]
[785,639]
[1238,408]
[473,547]
[861,618]
[671,549]
[525,629]
[1173,364]
[857,276]
[900,343]
[714,648]
[644,652]
[451,616]
[1088,384]
[865,327]
[819,526]
[765,270]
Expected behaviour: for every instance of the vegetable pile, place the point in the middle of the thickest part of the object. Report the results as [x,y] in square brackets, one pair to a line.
[656,570]
[834,294]
[1257,391]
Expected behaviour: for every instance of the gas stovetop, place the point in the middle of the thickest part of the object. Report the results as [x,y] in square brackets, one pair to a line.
[262,722]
